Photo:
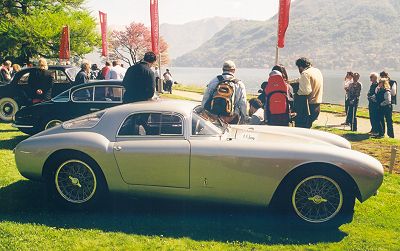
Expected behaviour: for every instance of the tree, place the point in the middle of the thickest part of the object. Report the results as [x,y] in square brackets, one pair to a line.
[132,43]
[31,28]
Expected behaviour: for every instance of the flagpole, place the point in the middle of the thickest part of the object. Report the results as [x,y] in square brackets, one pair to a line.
[160,85]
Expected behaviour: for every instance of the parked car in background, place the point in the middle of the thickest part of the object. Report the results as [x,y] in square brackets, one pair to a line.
[176,149]
[75,102]
[16,93]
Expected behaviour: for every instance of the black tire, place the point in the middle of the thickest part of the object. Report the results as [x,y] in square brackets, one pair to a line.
[8,108]
[317,199]
[76,181]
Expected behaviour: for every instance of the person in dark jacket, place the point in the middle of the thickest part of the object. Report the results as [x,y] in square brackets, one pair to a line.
[83,75]
[353,98]
[384,100]
[393,86]
[139,80]
[372,104]
[41,82]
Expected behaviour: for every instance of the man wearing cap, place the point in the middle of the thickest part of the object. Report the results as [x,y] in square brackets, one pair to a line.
[240,103]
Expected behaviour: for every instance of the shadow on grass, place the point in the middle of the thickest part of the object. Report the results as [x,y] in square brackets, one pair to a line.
[356,137]
[25,202]
[10,144]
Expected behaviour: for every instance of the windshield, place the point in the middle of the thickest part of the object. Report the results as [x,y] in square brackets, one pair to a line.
[205,123]
[71,72]
[62,97]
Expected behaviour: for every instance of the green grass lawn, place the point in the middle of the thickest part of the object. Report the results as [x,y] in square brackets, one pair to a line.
[29,222]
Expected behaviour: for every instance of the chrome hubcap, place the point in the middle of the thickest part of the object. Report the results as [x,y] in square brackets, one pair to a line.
[317,199]
[75,181]
[7,109]
[53,123]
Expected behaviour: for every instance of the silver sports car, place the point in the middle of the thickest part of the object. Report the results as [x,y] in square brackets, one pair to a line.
[176,149]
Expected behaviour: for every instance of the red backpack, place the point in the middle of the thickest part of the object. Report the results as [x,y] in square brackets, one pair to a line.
[277,110]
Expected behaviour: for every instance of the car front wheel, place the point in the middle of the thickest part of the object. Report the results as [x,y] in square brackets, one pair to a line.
[317,199]
[77,182]
[8,108]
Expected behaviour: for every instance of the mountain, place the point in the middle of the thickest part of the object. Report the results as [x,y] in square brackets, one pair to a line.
[187,37]
[351,34]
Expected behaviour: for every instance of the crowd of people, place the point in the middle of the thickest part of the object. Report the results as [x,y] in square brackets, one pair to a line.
[282,101]
[382,95]
[298,101]
[8,70]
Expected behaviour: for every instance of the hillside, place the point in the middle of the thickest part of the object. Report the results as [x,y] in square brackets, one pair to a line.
[183,39]
[352,34]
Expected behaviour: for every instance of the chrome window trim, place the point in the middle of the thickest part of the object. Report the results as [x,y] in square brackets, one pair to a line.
[69,97]
[84,87]
[94,91]
[162,136]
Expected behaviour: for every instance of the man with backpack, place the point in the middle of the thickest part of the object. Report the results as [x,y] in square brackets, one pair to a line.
[225,96]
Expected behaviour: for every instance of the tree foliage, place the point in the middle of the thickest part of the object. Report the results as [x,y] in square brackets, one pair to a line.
[31,28]
[132,43]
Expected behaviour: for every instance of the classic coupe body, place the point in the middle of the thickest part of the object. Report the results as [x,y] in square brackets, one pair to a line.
[75,102]
[176,149]
[16,93]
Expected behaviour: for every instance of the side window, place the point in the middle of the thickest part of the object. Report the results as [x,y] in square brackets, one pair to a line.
[59,77]
[108,94]
[152,124]
[24,79]
[83,95]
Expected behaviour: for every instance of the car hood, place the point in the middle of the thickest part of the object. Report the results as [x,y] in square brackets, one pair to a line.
[288,135]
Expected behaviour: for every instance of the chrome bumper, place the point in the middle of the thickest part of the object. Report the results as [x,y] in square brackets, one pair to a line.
[21,126]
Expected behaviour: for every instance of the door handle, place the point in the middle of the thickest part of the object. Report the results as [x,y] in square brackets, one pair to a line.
[117,148]
[94,109]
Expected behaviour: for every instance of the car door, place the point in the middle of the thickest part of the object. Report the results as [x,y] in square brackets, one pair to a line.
[151,150]
[82,102]
[60,83]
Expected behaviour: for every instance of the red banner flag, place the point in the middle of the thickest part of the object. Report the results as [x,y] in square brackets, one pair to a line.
[284,9]
[103,25]
[154,25]
[64,44]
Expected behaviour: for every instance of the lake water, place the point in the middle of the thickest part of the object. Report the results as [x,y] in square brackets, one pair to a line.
[252,78]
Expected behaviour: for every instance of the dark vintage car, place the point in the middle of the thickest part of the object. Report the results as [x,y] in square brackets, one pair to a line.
[75,102]
[15,94]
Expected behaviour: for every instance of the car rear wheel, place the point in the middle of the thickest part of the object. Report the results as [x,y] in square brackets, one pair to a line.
[77,182]
[8,108]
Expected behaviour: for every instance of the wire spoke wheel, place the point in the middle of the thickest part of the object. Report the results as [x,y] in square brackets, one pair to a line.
[75,181]
[317,199]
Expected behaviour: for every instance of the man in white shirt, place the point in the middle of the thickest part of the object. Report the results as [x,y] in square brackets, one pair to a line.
[117,71]
[309,95]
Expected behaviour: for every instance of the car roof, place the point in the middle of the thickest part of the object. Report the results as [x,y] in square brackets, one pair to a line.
[50,67]
[160,105]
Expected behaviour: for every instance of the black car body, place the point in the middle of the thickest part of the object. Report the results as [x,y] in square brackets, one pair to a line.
[15,94]
[75,102]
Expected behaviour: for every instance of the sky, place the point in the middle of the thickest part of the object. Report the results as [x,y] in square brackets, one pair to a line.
[123,12]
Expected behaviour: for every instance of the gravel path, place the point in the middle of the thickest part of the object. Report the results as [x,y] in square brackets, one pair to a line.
[325,118]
